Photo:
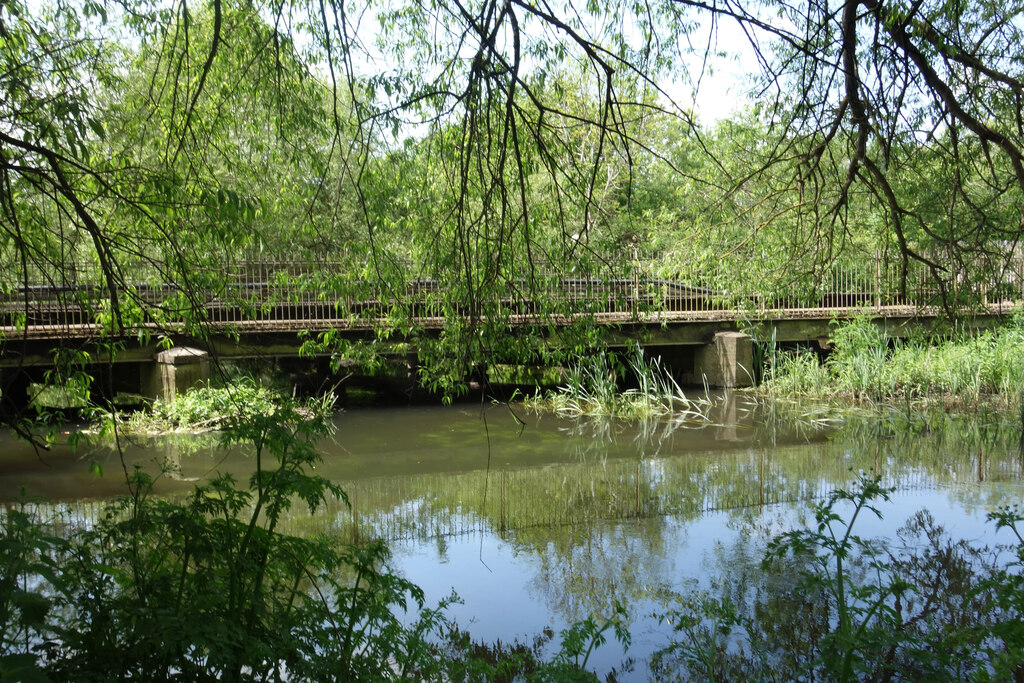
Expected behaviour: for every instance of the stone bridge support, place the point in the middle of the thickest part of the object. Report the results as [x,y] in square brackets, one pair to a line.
[175,371]
[724,359]
[728,361]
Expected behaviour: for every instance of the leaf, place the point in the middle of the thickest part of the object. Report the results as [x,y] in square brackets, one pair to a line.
[33,608]
[21,667]
[97,128]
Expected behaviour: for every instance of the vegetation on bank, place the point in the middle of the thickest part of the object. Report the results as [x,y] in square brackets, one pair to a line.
[865,365]
[210,408]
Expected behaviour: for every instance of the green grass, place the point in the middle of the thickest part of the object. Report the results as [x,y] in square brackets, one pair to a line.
[962,369]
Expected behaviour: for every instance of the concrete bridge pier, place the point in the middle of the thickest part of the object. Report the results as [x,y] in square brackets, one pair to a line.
[728,361]
[175,371]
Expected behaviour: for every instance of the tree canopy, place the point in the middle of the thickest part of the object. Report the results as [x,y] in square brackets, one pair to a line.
[480,141]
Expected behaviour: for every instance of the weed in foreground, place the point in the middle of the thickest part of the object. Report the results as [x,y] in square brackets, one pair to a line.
[210,590]
[827,604]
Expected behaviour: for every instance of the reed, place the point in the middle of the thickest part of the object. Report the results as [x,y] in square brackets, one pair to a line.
[592,388]
[868,367]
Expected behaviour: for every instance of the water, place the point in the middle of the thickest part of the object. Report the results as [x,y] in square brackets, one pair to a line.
[537,522]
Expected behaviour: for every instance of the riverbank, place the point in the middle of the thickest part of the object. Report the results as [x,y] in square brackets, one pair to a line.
[867,367]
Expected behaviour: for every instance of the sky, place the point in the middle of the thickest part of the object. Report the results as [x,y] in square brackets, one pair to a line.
[721,80]
[721,91]
[717,90]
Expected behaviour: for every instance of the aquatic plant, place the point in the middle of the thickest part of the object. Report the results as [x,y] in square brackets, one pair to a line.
[592,387]
[208,408]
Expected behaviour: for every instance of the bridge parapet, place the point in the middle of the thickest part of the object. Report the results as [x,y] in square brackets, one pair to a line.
[291,295]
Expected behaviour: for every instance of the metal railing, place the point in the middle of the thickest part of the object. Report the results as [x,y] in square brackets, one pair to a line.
[301,295]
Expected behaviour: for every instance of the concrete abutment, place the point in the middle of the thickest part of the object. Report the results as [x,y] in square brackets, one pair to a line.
[728,361]
[725,361]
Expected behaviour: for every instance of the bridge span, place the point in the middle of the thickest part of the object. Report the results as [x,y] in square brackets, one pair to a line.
[266,310]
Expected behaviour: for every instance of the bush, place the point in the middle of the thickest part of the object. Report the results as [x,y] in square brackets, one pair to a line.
[208,589]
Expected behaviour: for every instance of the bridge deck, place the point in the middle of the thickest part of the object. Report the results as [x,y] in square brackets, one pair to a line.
[255,297]
[92,330]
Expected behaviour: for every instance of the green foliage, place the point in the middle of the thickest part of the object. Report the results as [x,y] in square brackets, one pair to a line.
[471,661]
[703,627]
[964,368]
[210,589]
[795,374]
[28,555]
[578,642]
[828,604]
[205,407]
[1004,641]
[863,611]
[209,408]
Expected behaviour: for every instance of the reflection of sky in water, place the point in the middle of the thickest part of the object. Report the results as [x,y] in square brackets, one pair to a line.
[417,472]
[514,589]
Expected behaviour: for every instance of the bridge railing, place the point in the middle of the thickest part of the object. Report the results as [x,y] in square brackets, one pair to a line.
[293,293]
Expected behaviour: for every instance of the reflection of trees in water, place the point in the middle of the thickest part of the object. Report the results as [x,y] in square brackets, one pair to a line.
[555,513]
[178,456]
[592,438]
[927,451]
[780,619]
[586,569]
[779,422]
[601,488]
[909,450]
[731,418]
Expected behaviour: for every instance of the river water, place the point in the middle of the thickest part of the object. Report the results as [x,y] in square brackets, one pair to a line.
[536,522]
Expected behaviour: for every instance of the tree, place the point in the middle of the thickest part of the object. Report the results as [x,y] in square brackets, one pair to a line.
[120,138]
[871,92]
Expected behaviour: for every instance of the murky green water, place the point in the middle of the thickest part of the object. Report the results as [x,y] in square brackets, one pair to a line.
[537,522]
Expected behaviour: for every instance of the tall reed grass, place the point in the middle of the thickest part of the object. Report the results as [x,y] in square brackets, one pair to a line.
[866,365]
[592,388]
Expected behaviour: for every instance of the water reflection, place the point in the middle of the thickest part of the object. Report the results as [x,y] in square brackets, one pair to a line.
[540,525]
[419,473]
